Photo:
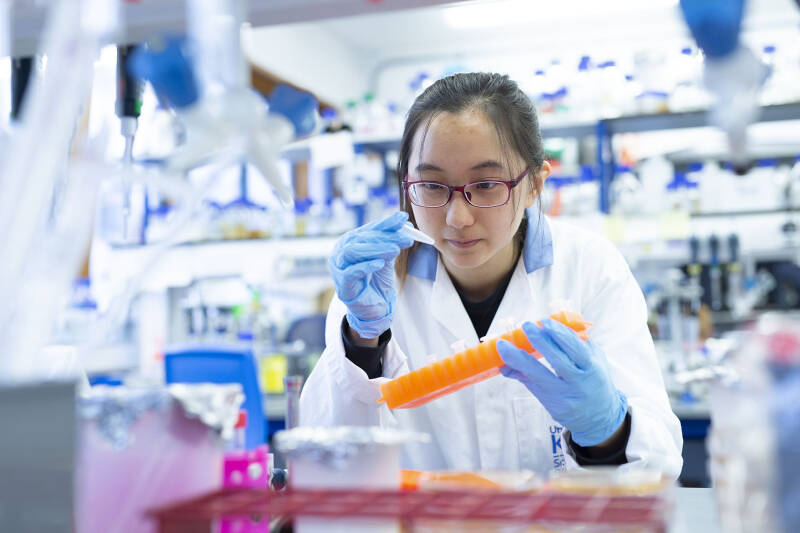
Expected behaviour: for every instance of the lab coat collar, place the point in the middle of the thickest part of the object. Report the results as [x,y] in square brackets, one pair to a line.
[537,252]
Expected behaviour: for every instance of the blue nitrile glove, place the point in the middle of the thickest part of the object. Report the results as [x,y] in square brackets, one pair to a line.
[581,397]
[362,266]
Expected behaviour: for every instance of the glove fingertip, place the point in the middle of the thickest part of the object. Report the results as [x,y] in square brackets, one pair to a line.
[550,324]
[506,351]
[531,329]
[394,221]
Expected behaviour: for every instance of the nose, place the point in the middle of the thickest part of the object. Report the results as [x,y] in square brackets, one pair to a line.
[459,212]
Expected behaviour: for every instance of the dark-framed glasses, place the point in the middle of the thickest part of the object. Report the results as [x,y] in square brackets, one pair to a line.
[483,193]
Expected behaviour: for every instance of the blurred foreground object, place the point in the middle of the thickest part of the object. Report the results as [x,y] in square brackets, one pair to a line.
[755,408]
[141,447]
[731,70]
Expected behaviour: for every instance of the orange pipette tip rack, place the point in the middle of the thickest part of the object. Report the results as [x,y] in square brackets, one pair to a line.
[464,368]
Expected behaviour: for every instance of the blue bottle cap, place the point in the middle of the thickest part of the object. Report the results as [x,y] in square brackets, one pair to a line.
[166,64]
[298,107]
[678,181]
[302,205]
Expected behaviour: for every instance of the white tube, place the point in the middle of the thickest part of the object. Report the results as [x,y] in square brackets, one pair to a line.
[36,155]
[214,28]
[417,235]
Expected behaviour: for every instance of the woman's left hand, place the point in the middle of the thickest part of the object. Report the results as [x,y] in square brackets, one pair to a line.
[580,395]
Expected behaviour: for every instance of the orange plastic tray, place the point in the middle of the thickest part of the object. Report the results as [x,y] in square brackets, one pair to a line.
[464,368]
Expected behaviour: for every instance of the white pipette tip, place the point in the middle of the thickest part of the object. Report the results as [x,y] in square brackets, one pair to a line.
[416,234]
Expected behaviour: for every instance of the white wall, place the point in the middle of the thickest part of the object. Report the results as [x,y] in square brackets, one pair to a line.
[309,56]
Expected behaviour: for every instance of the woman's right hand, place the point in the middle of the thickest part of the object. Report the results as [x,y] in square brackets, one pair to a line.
[362,267]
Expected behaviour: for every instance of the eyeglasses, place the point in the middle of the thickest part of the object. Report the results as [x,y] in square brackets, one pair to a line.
[483,193]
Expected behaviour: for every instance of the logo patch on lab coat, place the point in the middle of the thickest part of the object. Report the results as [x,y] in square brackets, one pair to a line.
[559,460]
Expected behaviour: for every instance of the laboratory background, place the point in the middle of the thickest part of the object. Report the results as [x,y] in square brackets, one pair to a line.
[174,175]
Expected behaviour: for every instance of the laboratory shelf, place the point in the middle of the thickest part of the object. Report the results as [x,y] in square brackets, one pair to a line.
[646,513]
[299,151]
[692,119]
[271,261]
[748,213]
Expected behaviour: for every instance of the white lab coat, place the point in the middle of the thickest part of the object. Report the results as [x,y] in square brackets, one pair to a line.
[498,424]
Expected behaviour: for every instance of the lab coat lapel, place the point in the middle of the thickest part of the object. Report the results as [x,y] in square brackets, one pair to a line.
[447,309]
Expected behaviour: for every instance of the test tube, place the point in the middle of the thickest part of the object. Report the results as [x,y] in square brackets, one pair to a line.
[416,234]
[292,385]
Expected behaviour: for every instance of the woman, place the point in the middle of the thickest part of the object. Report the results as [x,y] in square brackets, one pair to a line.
[472,166]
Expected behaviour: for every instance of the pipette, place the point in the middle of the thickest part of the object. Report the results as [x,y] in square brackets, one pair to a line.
[128,108]
[410,231]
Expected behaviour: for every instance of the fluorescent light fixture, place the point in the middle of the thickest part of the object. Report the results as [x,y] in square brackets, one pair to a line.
[484,14]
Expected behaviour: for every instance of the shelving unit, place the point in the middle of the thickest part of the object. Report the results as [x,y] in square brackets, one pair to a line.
[692,119]
[603,130]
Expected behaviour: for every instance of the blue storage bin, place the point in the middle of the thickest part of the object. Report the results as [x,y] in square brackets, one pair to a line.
[206,363]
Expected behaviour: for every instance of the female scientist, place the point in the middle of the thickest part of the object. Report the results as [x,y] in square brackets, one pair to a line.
[471,167]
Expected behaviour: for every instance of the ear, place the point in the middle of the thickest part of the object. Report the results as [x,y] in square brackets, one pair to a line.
[538,184]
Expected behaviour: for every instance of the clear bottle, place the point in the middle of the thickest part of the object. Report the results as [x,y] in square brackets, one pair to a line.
[770,93]
[611,86]
[655,172]
[583,92]
[688,93]
[630,90]
[627,195]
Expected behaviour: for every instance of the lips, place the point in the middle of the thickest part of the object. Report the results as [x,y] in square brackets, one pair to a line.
[462,243]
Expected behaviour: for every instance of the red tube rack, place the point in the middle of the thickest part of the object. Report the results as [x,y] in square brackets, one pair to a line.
[644,513]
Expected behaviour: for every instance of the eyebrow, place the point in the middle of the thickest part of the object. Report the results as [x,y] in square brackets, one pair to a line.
[489,163]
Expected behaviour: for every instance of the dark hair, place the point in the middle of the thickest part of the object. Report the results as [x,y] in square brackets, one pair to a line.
[509,109]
